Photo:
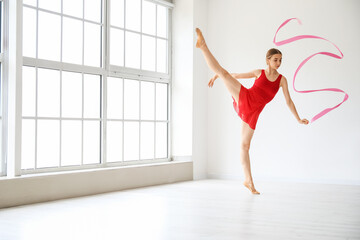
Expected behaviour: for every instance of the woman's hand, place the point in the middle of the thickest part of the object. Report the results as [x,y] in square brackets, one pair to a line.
[212,80]
[303,121]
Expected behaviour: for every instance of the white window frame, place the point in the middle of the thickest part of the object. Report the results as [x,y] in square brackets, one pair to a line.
[3,93]
[105,71]
[118,70]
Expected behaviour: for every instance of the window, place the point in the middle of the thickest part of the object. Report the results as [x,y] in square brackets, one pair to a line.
[138,117]
[62,95]
[2,159]
[139,36]
[95,87]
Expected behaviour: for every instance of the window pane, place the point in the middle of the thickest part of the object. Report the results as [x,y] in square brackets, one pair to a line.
[116,47]
[73,8]
[28,91]
[162,13]
[133,15]
[92,45]
[49,36]
[132,50]
[91,142]
[117,13]
[52,5]
[147,140]
[161,101]
[29,32]
[28,144]
[71,95]
[93,10]
[72,41]
[147,100]
[92,86]
[30,2]
[114,98]
[161,140]
[114,141]
[48,93]
[148,18]
[161,63]
[48,143]
[148,53]
[131,99]
[131,141]
[70,143]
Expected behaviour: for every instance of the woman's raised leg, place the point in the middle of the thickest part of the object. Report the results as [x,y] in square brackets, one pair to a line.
[230,82]
[246,136]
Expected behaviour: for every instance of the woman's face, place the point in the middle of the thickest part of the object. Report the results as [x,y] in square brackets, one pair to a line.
[275,61]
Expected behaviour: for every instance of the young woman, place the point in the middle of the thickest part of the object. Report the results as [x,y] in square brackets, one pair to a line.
[248,103]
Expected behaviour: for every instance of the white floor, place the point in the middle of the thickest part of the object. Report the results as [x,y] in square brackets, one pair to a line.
[207,209]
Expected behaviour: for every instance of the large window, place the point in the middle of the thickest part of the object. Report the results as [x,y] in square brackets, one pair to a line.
[96,80]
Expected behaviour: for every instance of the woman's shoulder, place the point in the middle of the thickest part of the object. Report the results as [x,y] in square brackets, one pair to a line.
[283,80]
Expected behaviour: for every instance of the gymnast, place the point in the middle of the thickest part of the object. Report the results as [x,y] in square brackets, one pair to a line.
[248,103]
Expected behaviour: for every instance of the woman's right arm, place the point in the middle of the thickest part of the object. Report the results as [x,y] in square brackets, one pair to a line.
[255,73]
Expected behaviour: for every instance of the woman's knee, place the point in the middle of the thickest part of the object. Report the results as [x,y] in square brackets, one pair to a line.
[245,146]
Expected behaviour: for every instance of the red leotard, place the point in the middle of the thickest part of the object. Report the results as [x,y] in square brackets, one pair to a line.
[253,100]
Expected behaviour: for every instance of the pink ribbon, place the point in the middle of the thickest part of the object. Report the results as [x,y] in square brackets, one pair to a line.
[296,38]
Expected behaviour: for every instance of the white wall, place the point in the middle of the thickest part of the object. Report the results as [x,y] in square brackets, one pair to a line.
[239,33]
[200,96]
[189,93]
[182,78]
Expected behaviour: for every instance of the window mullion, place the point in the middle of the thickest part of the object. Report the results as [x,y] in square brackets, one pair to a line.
[36,115]
[61,50]
[60,122]
[124,33]
[106,35]
[123,115]
[82,87]
[83,33]
[154,120]
[105,65]
[141,10]
[169,71]
[156,38]
[37,84]
[14,72]
[82,118]
[123,82]
[139,120]
[61,31]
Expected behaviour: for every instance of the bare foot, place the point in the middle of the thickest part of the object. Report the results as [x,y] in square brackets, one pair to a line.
[251,187]
[200,40]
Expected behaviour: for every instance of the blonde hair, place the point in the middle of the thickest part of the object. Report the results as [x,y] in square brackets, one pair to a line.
[272,52]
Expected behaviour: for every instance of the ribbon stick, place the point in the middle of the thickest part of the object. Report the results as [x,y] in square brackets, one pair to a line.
[299,37]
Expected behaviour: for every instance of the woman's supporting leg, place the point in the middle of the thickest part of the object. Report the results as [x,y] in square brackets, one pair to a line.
[246,136]
[230,82]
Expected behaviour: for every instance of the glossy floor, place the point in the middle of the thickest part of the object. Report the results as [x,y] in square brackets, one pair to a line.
[207,209]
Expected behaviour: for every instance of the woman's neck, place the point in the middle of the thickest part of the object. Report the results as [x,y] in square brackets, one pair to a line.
[271,71]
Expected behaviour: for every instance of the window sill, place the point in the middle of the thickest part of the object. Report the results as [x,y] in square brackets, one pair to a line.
[44,187]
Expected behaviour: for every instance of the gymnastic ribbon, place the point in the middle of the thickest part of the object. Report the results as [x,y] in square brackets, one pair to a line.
[299,37]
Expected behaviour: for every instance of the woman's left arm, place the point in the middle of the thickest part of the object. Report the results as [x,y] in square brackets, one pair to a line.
[289,102]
